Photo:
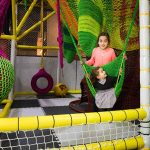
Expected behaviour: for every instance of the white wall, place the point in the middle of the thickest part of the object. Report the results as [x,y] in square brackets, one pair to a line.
[27,67]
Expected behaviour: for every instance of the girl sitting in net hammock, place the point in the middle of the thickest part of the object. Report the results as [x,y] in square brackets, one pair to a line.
[101,55]
[104,85]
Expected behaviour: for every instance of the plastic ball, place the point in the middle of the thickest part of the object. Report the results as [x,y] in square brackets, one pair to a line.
[6,78]
[60,90]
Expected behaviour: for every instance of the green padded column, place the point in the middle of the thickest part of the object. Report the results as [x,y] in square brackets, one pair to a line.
[6,78]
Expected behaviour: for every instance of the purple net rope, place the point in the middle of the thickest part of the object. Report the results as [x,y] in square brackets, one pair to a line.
[59,39]
[3,54]
[4,5]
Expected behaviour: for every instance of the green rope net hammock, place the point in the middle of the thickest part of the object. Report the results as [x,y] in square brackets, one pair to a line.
[6,78]
[87,18]
[113,67]
[89,15]
[110,16]
[69,50]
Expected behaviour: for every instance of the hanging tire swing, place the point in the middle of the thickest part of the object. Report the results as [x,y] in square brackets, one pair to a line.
[42,72]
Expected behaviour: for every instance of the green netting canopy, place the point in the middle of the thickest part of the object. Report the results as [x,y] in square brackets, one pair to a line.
[6,78]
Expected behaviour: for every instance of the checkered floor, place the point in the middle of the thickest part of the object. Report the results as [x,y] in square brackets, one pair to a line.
[41,105]
[35,106]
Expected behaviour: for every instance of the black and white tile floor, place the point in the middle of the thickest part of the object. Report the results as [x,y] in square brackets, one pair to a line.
[41,105]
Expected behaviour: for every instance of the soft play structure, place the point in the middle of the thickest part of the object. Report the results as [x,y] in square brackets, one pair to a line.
[81,23]
[6,77]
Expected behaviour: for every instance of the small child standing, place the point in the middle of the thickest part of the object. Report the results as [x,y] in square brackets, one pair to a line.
[104,85]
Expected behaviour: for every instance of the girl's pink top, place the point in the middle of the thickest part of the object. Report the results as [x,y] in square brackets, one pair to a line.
[101,57]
